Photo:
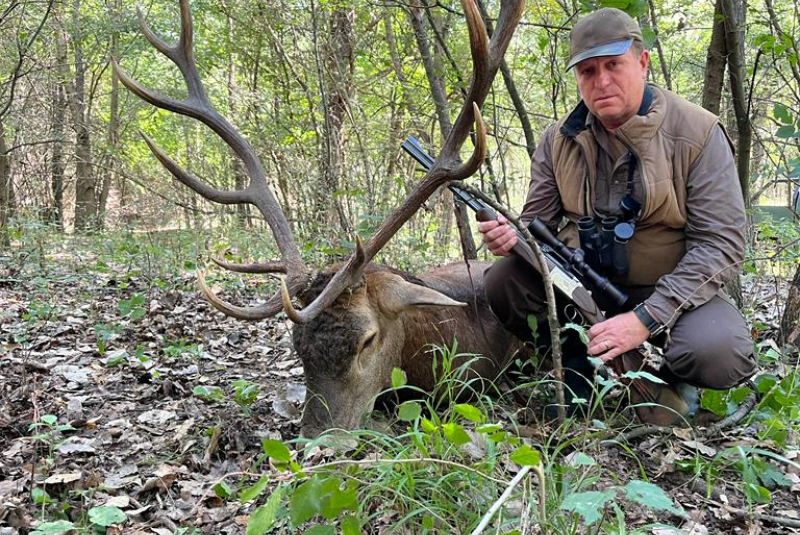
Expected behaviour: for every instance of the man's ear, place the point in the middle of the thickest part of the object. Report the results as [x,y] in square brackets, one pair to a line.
[644,60]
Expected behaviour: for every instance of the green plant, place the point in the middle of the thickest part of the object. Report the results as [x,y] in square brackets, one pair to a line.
[245,393]
[132,308]
[104,333]
[182,347]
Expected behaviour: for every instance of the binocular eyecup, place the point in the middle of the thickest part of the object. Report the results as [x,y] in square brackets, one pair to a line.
[606,245]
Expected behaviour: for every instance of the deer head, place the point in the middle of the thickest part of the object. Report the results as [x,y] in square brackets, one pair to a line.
[348,295]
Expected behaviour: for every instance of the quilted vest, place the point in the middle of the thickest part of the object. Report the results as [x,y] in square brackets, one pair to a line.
[666,142]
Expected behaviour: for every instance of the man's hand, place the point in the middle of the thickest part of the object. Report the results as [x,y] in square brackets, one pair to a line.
[498,235]
[613,337]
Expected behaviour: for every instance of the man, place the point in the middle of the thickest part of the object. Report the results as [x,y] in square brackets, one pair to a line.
[665,167]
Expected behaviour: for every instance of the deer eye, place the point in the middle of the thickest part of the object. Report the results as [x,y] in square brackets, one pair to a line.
[368,341]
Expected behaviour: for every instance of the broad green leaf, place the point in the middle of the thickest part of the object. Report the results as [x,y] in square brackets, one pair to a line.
[781,112]
[785,131]
[350,525]
[398,378]
[533,324]
[470,412]
[53,528]
[335,499]
[262,520]
[320,530]
[428,426]
[714,401]
[409,411]
[40,496]
[223,490]
[209,393]
[643,375]
[106,516]
[456,434]
[581,459]
[255,490]
[276,450]
[49,419]
[651,496]
[757,493]
[526,456]
[305,501]
[588,504]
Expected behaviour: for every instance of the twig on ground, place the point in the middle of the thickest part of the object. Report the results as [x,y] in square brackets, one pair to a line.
[738,415]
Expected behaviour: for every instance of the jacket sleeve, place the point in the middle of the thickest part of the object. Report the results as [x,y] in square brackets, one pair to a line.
[715,226]
[543,200]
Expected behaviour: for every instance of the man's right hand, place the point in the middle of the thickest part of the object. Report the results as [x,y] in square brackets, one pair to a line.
[499,236]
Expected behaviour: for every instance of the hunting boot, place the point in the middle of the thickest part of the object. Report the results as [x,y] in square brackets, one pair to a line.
[661,404]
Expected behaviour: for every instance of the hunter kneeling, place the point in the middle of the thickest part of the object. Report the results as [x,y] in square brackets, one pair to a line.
[664,168]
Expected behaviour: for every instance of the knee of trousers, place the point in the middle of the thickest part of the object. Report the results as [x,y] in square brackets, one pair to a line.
[512,291]
[715,361]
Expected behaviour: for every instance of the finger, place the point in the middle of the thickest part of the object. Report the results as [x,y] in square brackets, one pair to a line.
[486,226]
[509,244]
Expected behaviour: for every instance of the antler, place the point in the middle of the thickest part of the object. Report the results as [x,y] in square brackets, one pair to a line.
[198,106]
[486,58]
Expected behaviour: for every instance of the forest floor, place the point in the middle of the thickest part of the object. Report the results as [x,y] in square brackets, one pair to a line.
[108,398]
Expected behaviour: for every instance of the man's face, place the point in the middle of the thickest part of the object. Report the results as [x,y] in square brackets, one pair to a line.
[612,86]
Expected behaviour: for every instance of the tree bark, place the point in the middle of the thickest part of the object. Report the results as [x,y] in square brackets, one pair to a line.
[735,16]
[113,121]
[790,321]
[336,78]
[7,195]
[55,213]
[662,59]
[716,59]
[85,181]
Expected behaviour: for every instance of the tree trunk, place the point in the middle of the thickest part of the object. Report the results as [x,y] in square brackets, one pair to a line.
[336,77]
[7,195]
[790,322]
[237,167]
[735,12]
[85,181]
[662,59]
[113,121]
[715,63]
[55,214]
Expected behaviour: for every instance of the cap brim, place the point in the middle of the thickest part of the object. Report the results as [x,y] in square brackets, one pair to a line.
[617,48]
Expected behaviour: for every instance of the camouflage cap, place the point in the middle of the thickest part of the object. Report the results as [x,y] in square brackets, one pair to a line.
[605,32]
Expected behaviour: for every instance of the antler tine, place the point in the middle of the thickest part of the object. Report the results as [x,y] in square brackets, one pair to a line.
[447,166]
[255,267]
[257,312]
[189,180]
[198,106]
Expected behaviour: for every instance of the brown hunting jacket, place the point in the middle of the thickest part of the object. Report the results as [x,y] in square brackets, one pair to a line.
[689,236]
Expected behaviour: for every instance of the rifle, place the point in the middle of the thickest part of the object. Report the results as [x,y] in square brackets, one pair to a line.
[583,286]
[570,273]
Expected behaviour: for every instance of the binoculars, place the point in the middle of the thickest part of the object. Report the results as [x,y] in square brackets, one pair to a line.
[605,245]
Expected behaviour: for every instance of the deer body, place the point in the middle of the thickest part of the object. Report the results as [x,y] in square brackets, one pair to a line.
[358,321]
[394,320]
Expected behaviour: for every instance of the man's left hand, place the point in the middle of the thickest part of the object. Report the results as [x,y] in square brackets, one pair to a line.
[613,337]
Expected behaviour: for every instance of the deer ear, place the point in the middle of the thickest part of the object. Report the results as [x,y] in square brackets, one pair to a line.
[396,295]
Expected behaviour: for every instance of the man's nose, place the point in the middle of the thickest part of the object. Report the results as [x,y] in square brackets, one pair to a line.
[603,78]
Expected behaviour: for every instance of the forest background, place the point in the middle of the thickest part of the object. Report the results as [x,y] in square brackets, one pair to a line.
[326,91]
